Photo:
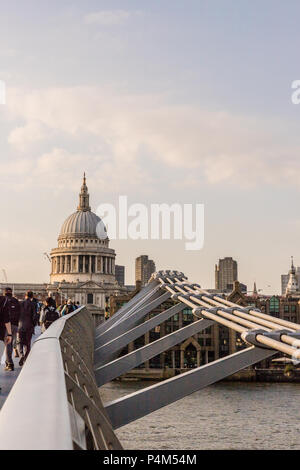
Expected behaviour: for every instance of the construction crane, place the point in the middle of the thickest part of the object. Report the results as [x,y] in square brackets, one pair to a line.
[47,256]
[4,275]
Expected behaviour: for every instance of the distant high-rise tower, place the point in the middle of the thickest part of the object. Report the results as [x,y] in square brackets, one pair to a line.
[225,274]
[120,274]
[144,267]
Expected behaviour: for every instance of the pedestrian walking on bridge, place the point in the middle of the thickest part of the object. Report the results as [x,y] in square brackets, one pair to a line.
[68,308]
[13,307]
[48,314]
[5,325]
[26,326]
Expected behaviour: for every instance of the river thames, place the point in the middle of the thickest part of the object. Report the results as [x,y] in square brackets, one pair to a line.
[226,415]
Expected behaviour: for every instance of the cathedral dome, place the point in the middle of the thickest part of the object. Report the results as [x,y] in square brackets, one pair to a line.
[83,222]
[80,223]
[83,255]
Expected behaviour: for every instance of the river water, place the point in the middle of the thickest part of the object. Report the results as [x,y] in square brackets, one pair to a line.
[226,415]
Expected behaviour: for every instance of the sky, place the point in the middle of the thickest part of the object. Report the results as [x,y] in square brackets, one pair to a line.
[162,101]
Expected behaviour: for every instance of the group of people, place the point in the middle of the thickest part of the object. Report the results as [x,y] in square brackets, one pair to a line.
[18,320]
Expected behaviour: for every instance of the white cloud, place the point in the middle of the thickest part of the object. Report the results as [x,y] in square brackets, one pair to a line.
[24,136]
[109,17]
[123,135]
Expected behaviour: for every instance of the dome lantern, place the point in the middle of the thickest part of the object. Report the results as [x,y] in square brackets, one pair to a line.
[84,197]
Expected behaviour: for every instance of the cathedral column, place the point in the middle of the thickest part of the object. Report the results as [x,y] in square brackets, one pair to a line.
[83,261]
[90,264]
[73,264]
[113,266]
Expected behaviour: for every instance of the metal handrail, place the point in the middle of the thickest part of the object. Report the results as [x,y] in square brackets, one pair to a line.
[54,403]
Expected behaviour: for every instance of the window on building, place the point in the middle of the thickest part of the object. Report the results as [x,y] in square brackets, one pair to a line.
[90,298]
[274,305]
[187,316]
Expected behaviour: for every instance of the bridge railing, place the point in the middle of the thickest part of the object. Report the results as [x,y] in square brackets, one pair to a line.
[55,403]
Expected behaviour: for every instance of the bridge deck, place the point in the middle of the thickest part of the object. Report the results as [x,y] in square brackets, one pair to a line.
[7,379]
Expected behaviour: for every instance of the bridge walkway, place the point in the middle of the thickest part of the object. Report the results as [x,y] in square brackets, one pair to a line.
[7,379]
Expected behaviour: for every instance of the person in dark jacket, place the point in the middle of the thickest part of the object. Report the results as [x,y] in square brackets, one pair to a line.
[37,306]
[48,314]
[13,307]
[26,326]
[5,325]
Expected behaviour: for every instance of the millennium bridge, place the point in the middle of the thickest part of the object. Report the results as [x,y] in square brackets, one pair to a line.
[54,402]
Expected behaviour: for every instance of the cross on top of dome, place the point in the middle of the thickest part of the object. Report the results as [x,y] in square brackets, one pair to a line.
[84,197]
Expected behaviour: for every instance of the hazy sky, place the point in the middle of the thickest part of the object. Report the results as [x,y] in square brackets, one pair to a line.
[162,101]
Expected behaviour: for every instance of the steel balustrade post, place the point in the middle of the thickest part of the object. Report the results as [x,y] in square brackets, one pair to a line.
[125,363]
[138,404]
[109,350]
[129,306]
[131,321]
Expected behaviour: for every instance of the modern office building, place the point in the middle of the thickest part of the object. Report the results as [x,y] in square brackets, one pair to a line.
[144,267]
[226,272]
[120,274]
